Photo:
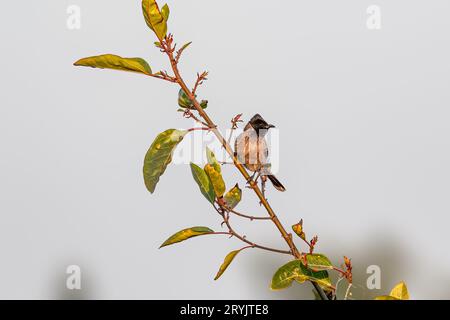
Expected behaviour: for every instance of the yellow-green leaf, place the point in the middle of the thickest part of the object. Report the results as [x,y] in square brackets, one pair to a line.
[216,180]
[298,229]
[285,275]
[165,12]
[156,19]
[211,157]
[159,155]
[400,291]
[203,182]
[233,197]
[296,271]
[228,259]
[386,298]
[318,262]
[186,234]
[111,61]
[184,47]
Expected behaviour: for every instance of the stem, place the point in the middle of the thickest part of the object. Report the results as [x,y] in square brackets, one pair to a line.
[218,233]
[347,292]
[226,220]
[342,272]
[167,48]
[251,218]
[308,243]
[227,147]
[320,291]
[234,126]
[188,114]
[199,129]
[199,82]
[163,76]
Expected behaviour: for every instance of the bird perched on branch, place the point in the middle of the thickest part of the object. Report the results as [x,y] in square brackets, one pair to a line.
[251,150]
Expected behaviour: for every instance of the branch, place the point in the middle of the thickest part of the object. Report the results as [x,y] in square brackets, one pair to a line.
[288,237]
[226,221]
[167,48]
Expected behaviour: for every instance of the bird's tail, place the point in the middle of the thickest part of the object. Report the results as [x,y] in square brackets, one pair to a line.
[276,183]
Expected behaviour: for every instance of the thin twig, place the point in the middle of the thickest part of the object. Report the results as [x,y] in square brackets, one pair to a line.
[218,233]
[234,126]
[180,51]
[342,272]
[348,291]
[226,221]
[199,129]
[164,76]
[190,115]
[200,79]
[251,218]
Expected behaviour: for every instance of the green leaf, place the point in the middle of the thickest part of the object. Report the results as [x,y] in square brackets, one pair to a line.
[156,19]
[159,155]
[184,101]
[111,61]
[211,157]
[296,271]
[184,47]
[318,262]
[216,179]
[233,197]
[186,234]
[228,259]
[203,182]
[204,104]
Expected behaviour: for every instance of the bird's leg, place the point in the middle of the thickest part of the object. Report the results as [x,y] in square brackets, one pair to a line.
[250,180]
[263,187]
[258,176]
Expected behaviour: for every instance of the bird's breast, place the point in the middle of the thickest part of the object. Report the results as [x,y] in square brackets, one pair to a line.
[251,150]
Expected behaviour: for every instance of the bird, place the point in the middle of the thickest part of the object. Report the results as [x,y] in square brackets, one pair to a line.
[252,152]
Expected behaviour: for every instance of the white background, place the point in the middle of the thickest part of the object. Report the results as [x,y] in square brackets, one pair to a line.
[363,118]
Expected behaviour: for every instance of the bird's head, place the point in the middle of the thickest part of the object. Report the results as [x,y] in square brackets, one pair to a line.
[259,124]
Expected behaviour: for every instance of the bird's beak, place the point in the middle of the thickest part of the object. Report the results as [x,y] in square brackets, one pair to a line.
[270,126]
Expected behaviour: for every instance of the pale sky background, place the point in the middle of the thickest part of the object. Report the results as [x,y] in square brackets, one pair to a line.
[362,115]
